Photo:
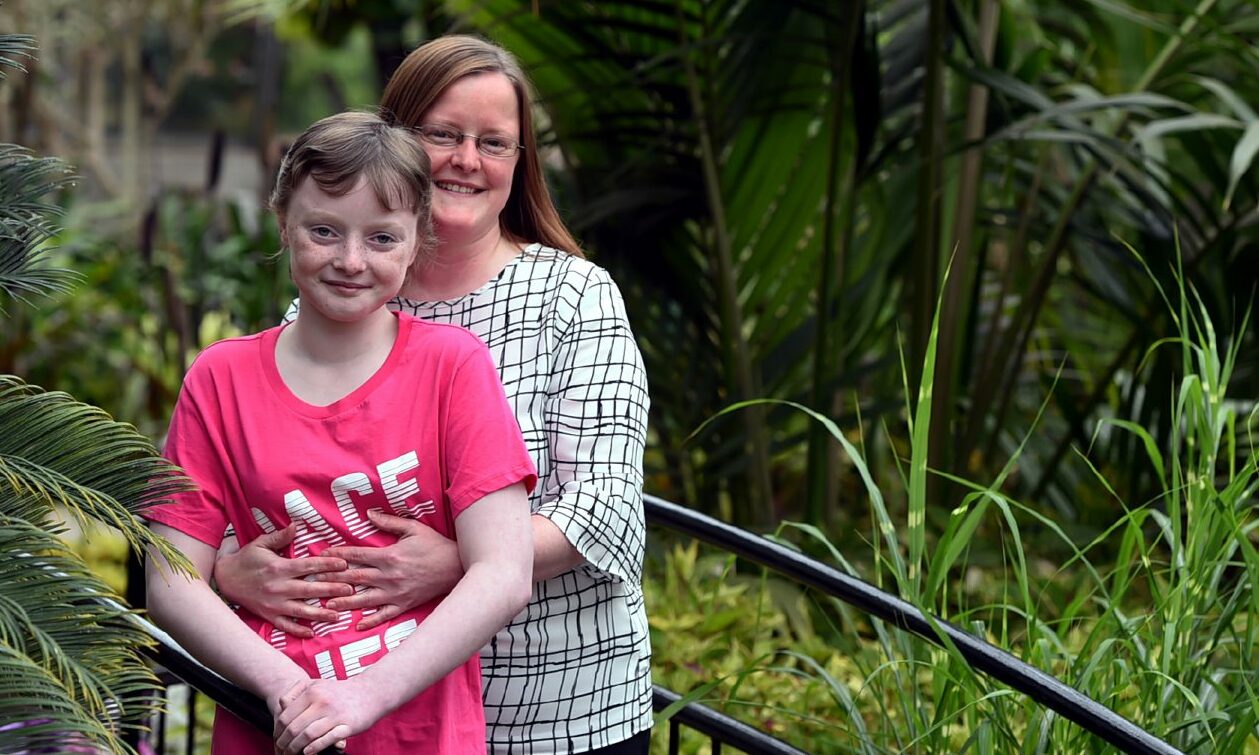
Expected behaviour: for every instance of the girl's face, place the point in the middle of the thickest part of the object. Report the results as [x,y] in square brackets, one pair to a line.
[348,255]
[470,189]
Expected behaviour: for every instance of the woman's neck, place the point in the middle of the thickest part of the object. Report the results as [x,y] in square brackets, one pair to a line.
[453,269]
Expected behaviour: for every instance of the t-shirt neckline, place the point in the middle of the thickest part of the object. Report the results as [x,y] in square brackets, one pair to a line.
[266,353]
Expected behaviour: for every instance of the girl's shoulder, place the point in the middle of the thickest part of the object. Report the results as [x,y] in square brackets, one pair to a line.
[229,353]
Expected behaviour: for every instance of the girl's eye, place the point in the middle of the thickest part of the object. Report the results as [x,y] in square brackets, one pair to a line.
[384,239]
[321,232]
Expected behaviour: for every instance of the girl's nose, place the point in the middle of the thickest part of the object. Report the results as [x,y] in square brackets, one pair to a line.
[353,257]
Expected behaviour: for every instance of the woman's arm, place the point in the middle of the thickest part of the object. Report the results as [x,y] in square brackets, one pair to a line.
[495,551]
[203,624]
[591,511]
[595,417]
[425,564]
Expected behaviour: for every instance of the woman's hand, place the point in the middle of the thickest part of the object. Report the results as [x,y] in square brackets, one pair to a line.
[422,565]
[320,713]
[273,587]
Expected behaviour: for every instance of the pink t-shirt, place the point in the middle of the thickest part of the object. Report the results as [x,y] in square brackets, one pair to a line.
[425,437]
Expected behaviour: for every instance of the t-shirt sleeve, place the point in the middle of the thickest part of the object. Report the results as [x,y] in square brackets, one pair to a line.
[483,450]
[596,423]
[199,513]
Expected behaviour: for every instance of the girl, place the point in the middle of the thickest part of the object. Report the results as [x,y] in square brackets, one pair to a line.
[570,674]
[321,425]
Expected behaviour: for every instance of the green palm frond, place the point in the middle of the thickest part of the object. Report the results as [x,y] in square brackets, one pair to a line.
[13,48]
[69,657]
[70,664]
[59,453]
[36,710]
[27,222]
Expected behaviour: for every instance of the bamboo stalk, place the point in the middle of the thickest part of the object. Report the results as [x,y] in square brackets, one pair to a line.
[962,283]
[759,495]
[822,449]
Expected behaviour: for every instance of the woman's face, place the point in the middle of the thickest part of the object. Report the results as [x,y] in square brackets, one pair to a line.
[471,189]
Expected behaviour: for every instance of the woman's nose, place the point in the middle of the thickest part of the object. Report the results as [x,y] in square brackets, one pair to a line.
[466,156]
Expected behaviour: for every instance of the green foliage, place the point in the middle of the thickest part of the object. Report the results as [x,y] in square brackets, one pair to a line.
[751,172]
[208,269]
[1154,618]
[70,668]
[747,642]
[25,182]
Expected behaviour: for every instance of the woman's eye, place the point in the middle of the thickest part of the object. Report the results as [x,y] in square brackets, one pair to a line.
[321,232]
[384,239]
[440,133]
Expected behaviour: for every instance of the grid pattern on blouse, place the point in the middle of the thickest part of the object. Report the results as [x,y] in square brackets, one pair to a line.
[571,673]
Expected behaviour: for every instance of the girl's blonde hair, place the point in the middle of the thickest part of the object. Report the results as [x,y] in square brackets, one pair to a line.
[335,151]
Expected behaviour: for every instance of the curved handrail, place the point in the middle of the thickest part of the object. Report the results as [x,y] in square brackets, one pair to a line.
[733,732]
[991,660]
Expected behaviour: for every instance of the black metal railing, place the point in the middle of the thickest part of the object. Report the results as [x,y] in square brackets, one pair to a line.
[982,656]
[718,727]
[724,730]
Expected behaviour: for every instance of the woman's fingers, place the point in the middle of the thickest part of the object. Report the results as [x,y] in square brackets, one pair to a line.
[369,597]
[285,624]
[395,525]
[276,541]
[302,567]
[386,612]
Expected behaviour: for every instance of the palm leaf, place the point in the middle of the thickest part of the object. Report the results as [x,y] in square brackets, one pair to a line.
[14,48]
[59,453]
[68,649]
[26,222]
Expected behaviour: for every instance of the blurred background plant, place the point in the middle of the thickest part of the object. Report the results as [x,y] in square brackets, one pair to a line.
[777,187]
[71,674]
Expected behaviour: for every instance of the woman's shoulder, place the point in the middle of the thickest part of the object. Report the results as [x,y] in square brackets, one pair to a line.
[539,261]
[448,337]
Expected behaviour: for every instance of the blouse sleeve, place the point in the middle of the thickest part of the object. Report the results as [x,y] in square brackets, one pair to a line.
[595,418]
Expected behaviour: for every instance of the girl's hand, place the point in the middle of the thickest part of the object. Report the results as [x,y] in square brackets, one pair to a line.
[422,565]
[324,713]
[273,587]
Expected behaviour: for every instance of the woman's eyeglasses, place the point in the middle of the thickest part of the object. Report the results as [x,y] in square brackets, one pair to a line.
[490,145]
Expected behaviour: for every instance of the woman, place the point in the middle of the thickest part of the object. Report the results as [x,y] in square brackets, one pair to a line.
[571,674]
[350,408]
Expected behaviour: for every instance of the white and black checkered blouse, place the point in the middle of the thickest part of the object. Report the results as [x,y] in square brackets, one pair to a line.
[571,673]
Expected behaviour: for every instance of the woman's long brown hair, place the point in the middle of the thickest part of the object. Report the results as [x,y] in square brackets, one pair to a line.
[426,73]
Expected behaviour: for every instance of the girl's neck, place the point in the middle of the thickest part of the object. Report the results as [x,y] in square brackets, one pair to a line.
[454,269]
[322,361]
[318,340]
